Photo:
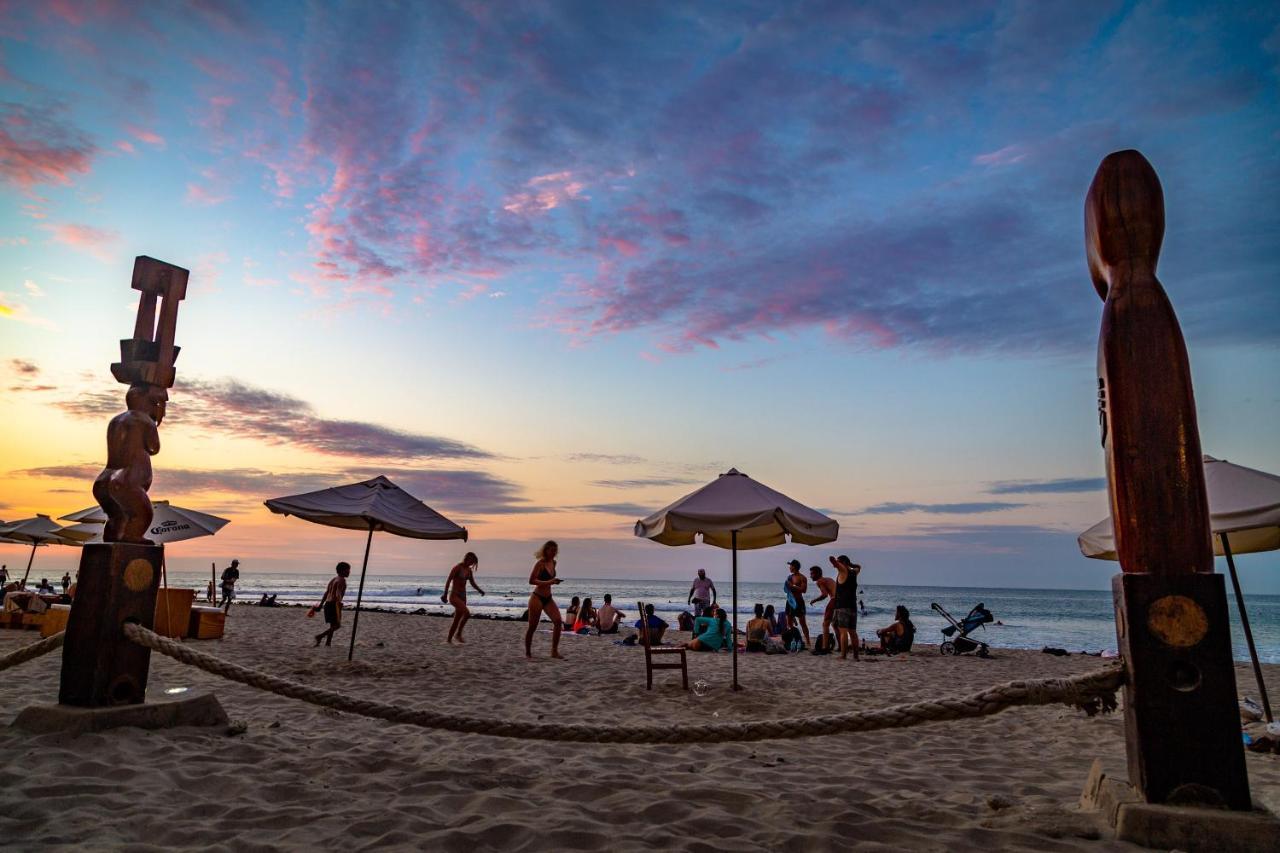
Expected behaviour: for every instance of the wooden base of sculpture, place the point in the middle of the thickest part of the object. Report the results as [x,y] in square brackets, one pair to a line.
[117,583]
[1182,723]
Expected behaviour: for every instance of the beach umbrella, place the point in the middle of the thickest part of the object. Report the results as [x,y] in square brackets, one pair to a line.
[1244,515]
[37,531]
[734,511]
[376,504]
[169,523]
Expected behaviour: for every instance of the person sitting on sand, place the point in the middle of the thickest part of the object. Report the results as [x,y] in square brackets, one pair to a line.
[656,626]
[331,603]
[45,588]
[899,636]
[571,612]
[267,600]
[542,578]
[609,617]
[777,624]
[585,619]
[711,633]
[758,631]
[455,593]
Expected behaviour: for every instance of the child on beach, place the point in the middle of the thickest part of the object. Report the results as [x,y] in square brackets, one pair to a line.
[459,576]
[331,603]
[542,578]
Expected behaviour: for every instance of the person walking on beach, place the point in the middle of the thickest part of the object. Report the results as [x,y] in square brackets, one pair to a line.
[702,594]
[827,587]
[542,578]
[66,582]
[455,592]
[230,575]
[796,586]
[842,611]
[331,603]
[208,593]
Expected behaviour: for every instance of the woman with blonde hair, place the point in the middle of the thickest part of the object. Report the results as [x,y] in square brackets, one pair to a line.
[455,593]
[542,578]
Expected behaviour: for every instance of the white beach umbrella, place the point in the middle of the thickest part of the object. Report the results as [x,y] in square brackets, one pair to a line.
[376,504]
[37,531]
[168,524]
[1244,515]
[734,511]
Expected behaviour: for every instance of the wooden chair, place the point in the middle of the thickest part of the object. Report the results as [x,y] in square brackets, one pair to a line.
[662,653]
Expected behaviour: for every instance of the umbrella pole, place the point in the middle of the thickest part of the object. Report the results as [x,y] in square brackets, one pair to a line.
[30,559]
[1244,622]
[734,638]
[355,623]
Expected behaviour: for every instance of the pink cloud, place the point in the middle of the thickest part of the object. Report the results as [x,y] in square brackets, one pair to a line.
[207,196]
[1002,157]
[144,135]
[126,146]
[38,147]
[98,242]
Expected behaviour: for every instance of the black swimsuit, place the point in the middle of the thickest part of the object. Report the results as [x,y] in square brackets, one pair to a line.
[544,575]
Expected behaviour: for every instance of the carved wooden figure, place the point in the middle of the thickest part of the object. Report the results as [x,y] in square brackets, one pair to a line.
[121,489]
[1182,726]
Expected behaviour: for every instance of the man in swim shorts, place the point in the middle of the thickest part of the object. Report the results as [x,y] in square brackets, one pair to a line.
[797,584]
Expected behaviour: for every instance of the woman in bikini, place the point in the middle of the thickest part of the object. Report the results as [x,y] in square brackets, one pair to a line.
[585,618]
[542,578]
[455,592]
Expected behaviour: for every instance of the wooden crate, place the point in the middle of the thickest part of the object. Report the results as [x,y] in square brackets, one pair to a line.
[55,619]
[173,611]
[206,623]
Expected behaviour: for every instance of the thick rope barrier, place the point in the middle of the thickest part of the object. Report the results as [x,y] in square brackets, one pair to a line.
[1092,692]
[26,653]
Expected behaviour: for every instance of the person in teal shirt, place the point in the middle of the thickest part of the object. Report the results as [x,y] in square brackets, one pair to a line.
[710,633]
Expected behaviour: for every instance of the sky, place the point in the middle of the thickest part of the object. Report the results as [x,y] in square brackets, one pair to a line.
[550,266]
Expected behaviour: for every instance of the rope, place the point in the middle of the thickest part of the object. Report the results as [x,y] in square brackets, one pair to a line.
[1093,692]
[32,651]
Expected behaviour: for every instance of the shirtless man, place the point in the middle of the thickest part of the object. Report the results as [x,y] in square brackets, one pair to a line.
[455,593]
[331,603]
[797,585]
[608,618]
[827,586]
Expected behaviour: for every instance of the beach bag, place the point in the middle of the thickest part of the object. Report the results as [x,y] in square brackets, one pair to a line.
[823,645]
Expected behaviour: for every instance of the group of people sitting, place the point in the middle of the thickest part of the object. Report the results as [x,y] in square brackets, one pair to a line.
[774,633]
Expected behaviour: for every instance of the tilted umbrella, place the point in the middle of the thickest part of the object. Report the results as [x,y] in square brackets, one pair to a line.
[169,523]
[37,531]
[734,511]
[1244,515]
[376,504]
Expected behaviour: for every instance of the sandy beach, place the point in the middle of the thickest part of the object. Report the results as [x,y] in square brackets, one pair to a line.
[297,776]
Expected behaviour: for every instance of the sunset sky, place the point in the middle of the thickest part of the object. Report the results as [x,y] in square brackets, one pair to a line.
[550,266]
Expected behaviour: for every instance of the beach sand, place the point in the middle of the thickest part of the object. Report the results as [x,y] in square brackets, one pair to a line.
[299,776]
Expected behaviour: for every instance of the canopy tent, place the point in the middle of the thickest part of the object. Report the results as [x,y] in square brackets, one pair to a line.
[170,523]
[376,504]
[734,511]
[1244,515]
[37,531]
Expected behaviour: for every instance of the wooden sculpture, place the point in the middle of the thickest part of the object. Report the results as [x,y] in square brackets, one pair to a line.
[118,579]
[1182,726]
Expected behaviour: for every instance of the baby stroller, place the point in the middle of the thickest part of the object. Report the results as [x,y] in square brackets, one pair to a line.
[960,642]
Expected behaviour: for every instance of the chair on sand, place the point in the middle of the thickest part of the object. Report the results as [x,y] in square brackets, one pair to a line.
[664,654]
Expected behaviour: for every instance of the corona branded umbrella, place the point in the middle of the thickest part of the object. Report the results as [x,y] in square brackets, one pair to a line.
[376,504]
[37,531]
[734,511]
[169,524]
[1244,515]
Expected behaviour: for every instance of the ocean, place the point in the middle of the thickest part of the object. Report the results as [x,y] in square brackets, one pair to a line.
[1076,620]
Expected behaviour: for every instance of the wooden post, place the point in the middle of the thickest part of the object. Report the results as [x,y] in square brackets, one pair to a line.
[118,583]
[1182,726]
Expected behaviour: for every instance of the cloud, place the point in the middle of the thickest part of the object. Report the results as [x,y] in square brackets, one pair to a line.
[24,367]
[39,146]
[644,482]
[610,458]
[98,242]
[1067,485]
[632,510]
[969,508]
[463,492]
[230,408]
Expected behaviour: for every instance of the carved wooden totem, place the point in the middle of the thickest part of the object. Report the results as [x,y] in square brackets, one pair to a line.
[1182,725]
